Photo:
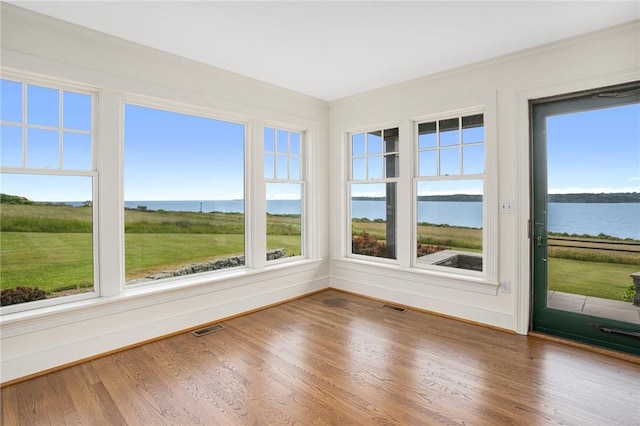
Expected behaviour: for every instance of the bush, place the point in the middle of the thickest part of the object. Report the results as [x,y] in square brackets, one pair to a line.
[369,246]
[12,296]
[629,293]
[425,249]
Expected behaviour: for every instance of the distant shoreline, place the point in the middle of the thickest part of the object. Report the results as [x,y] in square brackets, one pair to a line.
[616,197]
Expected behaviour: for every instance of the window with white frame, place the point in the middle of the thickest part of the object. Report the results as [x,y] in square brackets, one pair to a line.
[285,189]
[184,208]
[47,185]
[450,154]
[373,184]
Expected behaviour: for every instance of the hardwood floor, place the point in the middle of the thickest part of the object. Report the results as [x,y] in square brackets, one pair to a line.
[336,359]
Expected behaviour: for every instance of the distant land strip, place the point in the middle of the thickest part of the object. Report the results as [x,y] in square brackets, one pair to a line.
[614,197]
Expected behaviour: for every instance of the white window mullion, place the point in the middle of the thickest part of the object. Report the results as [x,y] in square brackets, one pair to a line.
[110,200]
[460,155]
[256,195]
[24,125]
[60,129]
[404,209]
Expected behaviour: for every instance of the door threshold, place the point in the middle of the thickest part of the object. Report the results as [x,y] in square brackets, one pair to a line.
[591,348]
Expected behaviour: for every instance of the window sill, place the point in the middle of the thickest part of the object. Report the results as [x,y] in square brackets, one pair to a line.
[417,275]
[141,296]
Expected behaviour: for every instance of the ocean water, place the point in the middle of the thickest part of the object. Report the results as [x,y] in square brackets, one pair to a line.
[616,219]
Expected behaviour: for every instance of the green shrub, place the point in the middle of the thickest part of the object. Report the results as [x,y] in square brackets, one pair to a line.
[14,199]
[12,296]
[368,245]
[425,249]
[629,293]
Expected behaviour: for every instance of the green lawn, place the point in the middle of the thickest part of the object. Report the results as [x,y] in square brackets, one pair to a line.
[157,241]
[605,280]
[61,257]
[49,261]
[64,261]
[146,254]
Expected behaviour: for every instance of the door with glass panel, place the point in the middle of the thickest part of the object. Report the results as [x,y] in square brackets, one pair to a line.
[585,226]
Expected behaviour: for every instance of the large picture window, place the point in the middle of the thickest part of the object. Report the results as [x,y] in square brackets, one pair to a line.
[373,185]
[47,191]
[183,194]
[449,192]
[284,176]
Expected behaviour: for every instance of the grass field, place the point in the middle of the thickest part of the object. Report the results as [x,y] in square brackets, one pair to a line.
[34,256]
[604,267]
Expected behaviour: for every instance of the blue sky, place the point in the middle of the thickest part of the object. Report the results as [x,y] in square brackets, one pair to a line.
[171,156]
[594,151]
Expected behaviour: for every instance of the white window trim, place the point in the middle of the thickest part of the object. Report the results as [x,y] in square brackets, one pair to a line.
[112,92]
[489,205]
[349,182]
[405,118]
[174,107]
[305,165]
[63,85]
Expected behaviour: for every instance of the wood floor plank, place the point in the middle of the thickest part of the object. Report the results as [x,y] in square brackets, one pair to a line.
[336,359]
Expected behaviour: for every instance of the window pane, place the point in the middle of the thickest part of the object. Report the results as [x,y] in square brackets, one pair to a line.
[391,161]
[11,146]
[47,234]
[294,168]
[450,223]
[294,143]
[269,166]
[373,219]
[43,106]
[358,171]
[357,145]
[375,167]
[428,163]
[77,111]
[284,220]
[391,165]
[473,129]
[450,161]
[282,142]
[427,135]
[184,194]
[42,149]
[11,98]
[473,159]
[391,139]
[449,132]
[269,139]
[76,151]
[281,167]
[374,142]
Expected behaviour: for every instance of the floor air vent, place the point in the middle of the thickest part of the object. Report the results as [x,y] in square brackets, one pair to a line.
[207,330]
[394,308]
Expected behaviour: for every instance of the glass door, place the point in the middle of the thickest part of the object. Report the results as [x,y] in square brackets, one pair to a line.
[585,225]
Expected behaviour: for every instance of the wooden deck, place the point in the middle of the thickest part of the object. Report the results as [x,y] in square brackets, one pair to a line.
[336,359]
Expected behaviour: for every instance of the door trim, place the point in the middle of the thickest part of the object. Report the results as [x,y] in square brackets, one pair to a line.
[523,292]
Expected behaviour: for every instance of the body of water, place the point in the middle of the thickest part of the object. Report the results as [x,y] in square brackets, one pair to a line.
[616,219]
[206,206]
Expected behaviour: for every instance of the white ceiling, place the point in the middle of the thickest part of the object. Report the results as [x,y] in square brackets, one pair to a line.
[332,49]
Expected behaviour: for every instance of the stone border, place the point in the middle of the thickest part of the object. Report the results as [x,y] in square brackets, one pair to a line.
[636,287]
[211,265]
[452,258]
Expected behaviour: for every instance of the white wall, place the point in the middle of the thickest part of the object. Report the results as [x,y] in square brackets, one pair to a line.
[53,337]
[594,60]
[37,340]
